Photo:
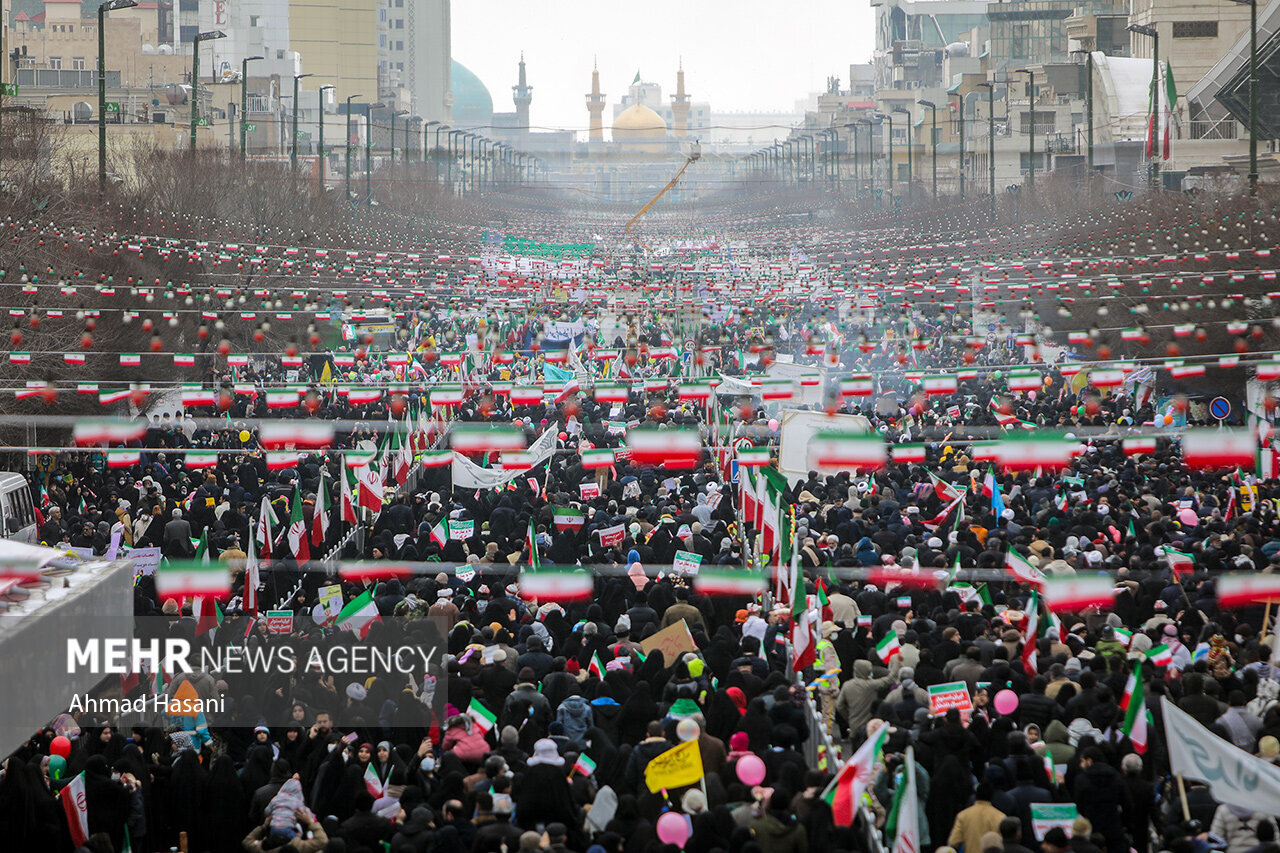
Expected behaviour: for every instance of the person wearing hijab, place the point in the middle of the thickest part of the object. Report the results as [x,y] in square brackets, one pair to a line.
[543,791]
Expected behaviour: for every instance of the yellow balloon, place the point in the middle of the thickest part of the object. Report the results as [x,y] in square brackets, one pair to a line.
[244,436]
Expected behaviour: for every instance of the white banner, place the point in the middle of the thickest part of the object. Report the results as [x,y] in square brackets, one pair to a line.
[1234,776]
[469,475]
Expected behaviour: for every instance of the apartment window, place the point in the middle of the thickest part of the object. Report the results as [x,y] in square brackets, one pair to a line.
[253,20]
[399,23]
[77,63]
[1195,29]
[55,63]
[399,45]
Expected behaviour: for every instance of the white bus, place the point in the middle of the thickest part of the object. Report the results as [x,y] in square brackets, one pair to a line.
[17,515]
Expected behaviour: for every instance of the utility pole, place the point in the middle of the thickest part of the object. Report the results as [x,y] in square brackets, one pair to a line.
[109,6]
[1031,133]
[244,101]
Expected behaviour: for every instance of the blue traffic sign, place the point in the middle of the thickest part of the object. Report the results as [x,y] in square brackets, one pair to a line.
[1220,408]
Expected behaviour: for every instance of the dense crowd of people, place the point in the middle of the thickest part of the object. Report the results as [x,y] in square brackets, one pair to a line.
[578,710]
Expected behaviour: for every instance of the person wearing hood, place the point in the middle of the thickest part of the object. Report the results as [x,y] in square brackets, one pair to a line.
[106,801]
[859,697]
[1101,796]
[777,830]
[576,716]
[527,709]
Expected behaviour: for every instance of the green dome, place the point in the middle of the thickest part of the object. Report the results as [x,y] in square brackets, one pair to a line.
[472,103]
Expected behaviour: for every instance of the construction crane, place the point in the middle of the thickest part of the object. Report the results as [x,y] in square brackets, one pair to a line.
[695,154]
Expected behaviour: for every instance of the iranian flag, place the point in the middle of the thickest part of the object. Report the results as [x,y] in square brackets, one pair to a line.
[1073,593]
[526,395]
[1027,454]
[944,490]
[1243,589]
[440,533]
[359,615]
[859,385]
[845,451]
[189,579]
[599,457]
[595,667]
[907,810]
[1020,381]
[1139,445]
[297,533]
[75,806]
[481,438]
[672,448]
[375,786]
[804,641]
[939,384]
[369,495]
[350,485]
[1180,562]
[568,518]
[908,453]
[846,789]
[266,520]
[1136,716]
[1022,570]
[435,458]
[483,718]
[107,432]
[888,647]
[1161,655]
[1211,448]
[123,458]
[747,485]
[728,580]
[584,765]
[1029,651]
[320,516]
[753,456]
[611,392]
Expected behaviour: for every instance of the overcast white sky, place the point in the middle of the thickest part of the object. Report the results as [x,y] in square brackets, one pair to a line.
[738,54]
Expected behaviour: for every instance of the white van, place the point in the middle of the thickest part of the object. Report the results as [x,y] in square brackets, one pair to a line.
[17,515]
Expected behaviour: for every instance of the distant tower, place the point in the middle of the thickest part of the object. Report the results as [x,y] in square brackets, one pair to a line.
[595,106]
[680,107]
[523,96]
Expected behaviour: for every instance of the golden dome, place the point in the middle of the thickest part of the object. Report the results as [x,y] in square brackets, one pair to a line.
[638,123]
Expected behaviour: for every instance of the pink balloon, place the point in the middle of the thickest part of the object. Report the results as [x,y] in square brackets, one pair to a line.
[1031,395]
[773,424]
[673,828]
[1006,702]
[750,770]
[62,746]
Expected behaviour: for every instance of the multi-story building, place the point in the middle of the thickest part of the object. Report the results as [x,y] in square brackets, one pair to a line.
[414,56]
[337,41]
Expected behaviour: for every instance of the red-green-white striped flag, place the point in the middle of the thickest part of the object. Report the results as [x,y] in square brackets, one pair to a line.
[728,580]
[846,789]
[481,716]
[1242,589]
[845,451]
[1073,593]
[552,583]
[297,533]
[359,615]
[1136,718]
[888,647]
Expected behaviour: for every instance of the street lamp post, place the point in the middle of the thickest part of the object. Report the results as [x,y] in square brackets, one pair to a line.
[195,76]
[453,154]
[109,6]
[1088,101]
[933,139]
[435,149]
[244,101]
[348,144]
[960,128]
[1253,94]
[368,153]
[320,141]
[1153,164]
[395,113]
[889,118]
[991,142]
[293,149]
[1031,133]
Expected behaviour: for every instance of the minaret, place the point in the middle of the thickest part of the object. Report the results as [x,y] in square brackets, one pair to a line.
[680,107]
[595,106]
[523,96]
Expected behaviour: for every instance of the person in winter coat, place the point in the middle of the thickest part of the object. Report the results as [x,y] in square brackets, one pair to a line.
[1236,826]
[461,738]
[576,716]
[976,821]
[1101,797]
[777,830]
[859,696]
[544,791]
[107,800]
